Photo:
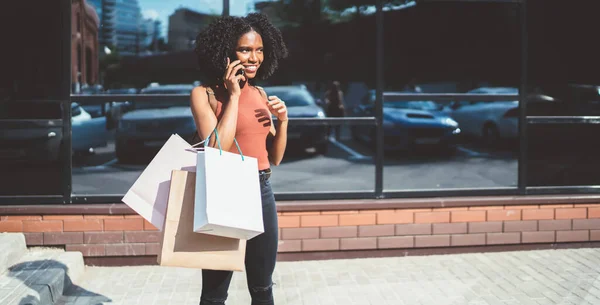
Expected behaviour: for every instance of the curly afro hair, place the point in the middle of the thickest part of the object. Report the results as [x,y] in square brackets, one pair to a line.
[219,40]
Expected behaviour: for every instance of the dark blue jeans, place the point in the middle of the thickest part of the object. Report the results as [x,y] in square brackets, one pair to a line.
[261,254]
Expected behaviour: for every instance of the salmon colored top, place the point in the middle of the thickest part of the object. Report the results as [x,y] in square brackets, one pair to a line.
[253,124]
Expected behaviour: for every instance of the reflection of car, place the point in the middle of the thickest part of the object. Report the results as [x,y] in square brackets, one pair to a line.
[301,104]
[408,124]
[30,133]
[150,125]
[491,121]
[36,134]
[87,132]
[116,109]
[113,110]
[564,100]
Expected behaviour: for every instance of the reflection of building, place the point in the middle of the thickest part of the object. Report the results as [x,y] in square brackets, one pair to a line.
[184,25]
[84,44]
[120,25]
[151,30]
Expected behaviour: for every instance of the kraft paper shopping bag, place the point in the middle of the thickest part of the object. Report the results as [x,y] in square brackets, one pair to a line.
[228,197]
[181,247]
[148,195]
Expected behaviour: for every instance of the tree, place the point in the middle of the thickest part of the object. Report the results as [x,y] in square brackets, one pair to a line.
[342,5]
[358,5]
[158,45]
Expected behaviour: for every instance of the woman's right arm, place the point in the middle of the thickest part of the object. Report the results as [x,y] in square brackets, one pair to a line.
[205,118]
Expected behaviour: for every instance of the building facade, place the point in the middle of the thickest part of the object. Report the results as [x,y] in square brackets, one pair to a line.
[522,87]
[120,25]
[152,33]
[184,25]
[84,45]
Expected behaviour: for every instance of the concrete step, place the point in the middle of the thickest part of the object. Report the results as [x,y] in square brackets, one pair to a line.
[40,277]
[12,248]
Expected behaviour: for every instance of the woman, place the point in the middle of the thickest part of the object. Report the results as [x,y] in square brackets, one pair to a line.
[232,53]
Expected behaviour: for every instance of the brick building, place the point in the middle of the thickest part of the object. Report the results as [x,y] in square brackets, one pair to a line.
[84,44]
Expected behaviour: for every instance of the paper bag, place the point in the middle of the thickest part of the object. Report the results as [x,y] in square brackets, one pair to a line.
[181,247]
[148,195]
[228,197]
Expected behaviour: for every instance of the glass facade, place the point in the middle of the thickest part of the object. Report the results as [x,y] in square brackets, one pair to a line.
[120,26]
[452,144]
[437,97]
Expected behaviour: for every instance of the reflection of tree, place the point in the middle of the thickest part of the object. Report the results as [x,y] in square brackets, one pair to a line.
[361,5]
[341,5]
[110,59]
[292,13]
[158,45]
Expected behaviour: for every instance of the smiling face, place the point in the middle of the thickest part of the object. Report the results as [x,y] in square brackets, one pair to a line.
[249,51]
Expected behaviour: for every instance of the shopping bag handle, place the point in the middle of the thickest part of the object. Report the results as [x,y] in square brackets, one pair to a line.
[205,142]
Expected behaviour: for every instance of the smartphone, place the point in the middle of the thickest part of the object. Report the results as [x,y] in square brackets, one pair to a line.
[240,71]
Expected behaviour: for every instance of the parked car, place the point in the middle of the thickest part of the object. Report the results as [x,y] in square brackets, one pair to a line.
[111,110]
[116,109]
[301,104]
[407,125]
[488,121]
[36,135]
[88,133]
[30,133]
[149,125]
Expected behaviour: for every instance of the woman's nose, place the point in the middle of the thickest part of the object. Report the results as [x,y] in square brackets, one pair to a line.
[253,57]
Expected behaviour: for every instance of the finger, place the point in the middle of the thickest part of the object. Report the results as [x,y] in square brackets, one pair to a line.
[230,67]
[281,111]
[235,70]
[227,68]
[273,97]
[240,78]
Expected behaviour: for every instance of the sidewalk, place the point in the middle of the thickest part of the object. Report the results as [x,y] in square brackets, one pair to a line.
[527,277]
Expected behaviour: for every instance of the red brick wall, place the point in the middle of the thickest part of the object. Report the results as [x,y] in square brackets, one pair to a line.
[441,227]
[130,235]
[87,38]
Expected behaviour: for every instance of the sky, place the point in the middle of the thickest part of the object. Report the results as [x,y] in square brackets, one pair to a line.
[161,9]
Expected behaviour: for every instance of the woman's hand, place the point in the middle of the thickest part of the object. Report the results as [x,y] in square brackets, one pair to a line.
[231,80]
[278,108]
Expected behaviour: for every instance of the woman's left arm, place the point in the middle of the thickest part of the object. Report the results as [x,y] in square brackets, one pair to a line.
[279,134]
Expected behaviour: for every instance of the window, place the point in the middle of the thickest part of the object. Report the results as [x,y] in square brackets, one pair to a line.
[31,93]
[318,159]
[564,96]
[433,47]
[27,72]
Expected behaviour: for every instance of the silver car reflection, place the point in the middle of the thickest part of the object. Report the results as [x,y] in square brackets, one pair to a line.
[148,126]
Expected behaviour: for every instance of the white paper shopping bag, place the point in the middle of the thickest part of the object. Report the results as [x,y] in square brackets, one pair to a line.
[149,194]
[228,197]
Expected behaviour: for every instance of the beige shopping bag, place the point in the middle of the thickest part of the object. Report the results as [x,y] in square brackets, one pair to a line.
[181,246]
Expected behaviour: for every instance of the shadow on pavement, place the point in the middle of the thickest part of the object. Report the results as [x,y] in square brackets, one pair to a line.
[52,272]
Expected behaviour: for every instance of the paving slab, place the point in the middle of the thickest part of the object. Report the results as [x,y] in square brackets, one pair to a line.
[521,277]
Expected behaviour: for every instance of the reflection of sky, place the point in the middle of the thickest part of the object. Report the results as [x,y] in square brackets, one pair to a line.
[161,9]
